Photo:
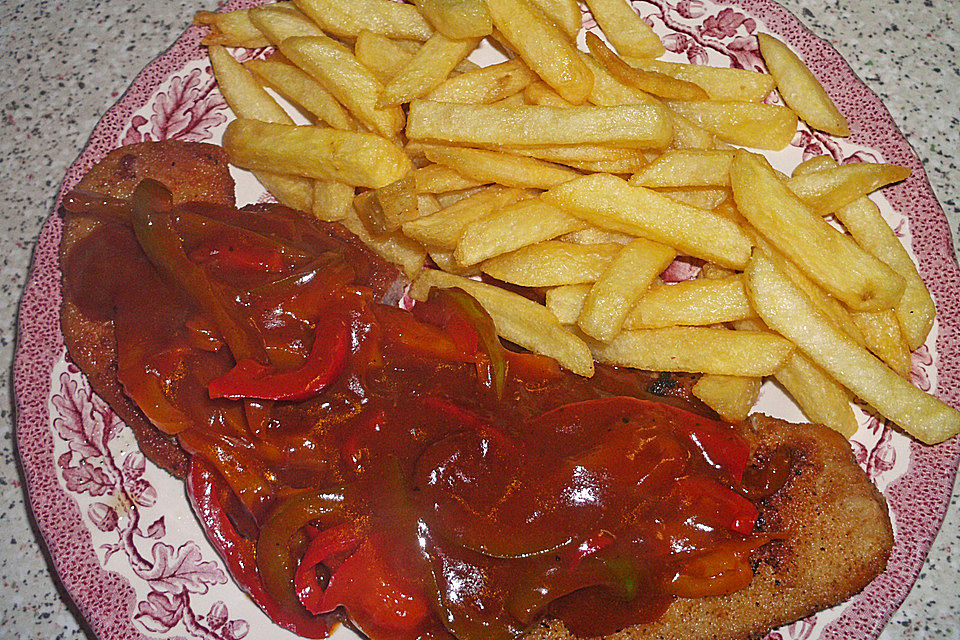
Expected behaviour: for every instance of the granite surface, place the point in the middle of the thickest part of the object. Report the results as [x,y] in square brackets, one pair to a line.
[64,63]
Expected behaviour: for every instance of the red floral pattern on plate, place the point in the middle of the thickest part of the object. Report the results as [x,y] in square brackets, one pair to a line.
[90,488]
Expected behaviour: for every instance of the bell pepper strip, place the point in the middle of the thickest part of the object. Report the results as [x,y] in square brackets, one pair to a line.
[402,328]
[591,547]
[250,379]
[152,223]
[343,538]
[719,505]
[495,361]
[98,206]
[204,488]
[722,447]
[375,599]
[245,242]
[274,562]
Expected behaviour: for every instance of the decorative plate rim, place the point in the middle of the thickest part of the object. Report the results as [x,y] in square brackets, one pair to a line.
[932,469]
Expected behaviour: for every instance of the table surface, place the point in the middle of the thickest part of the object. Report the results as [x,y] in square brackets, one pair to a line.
[66,62]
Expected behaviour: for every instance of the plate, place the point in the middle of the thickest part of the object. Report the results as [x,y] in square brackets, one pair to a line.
[120,531]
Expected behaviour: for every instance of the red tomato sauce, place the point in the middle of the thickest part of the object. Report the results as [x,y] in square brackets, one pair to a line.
[397,466]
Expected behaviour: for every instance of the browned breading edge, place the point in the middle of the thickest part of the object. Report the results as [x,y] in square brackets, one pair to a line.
[198,172]
[838,538]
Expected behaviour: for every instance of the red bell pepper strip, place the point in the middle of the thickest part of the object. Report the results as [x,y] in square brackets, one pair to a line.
[723,448]
[152,223]
[204,487]
[274,561]
[339,539]
[719,505]
[250,379]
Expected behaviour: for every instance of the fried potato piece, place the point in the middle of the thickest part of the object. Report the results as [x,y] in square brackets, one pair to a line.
[282,20]
[518,225]
[720,83]
[800,89]
[609,202]
[443,229]
[786,310]
[696,350]
[350,157]
[543,46]
[426,69]
[829,258]
[457,19]
[731,397]
[622,283]
[651,82]
[231,29]
[828,190]
[551,263]
[704,301]
[687,168]
[302,90]
[484,85]
[762,126]
[347,18]
[640,126]
[624,27]
[484,166]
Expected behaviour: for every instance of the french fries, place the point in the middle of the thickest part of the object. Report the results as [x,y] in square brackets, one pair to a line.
[696,350]
[609,202]
[519,171]
[850,274]
[641,126]
[350,157]
[800,89]
[784,309]
[619,287]
[543,46]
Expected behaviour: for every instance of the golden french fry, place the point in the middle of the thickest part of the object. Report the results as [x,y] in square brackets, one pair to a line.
[231,29]
[624,27]
[339,72]
[563,13]
[643,126]
[596,235]
[714,271]
[485,85]
[689,135]
[731,397]
[445,261]
[383,210]
[786,310]
[436,178]
[609,202]
[299,88]
[566,301]
[800,89]
[572,155]
[394,247]
[485,166]
[518,225]
[619,287]
[351,157]
[332,200]
[543,46]
[882,336]
[704,301]
[862,218]
[516,318]
[687,168]
[828,190]
[696,350]
[540,93]
[823,301]
[443,229]
[457,19]
[242,92]
[551,263]
[282,20]
[347,18]
[826,256]
[427,69]
[821,398]
[720,83]
[700,197]
[248,99]
[763,126]
[652,82]
[381,55]
[915,310]
[607,91]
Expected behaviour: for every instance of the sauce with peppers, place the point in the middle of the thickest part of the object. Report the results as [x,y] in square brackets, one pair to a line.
[402,466]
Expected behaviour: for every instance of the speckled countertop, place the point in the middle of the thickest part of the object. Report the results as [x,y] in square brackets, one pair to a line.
[64,63]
